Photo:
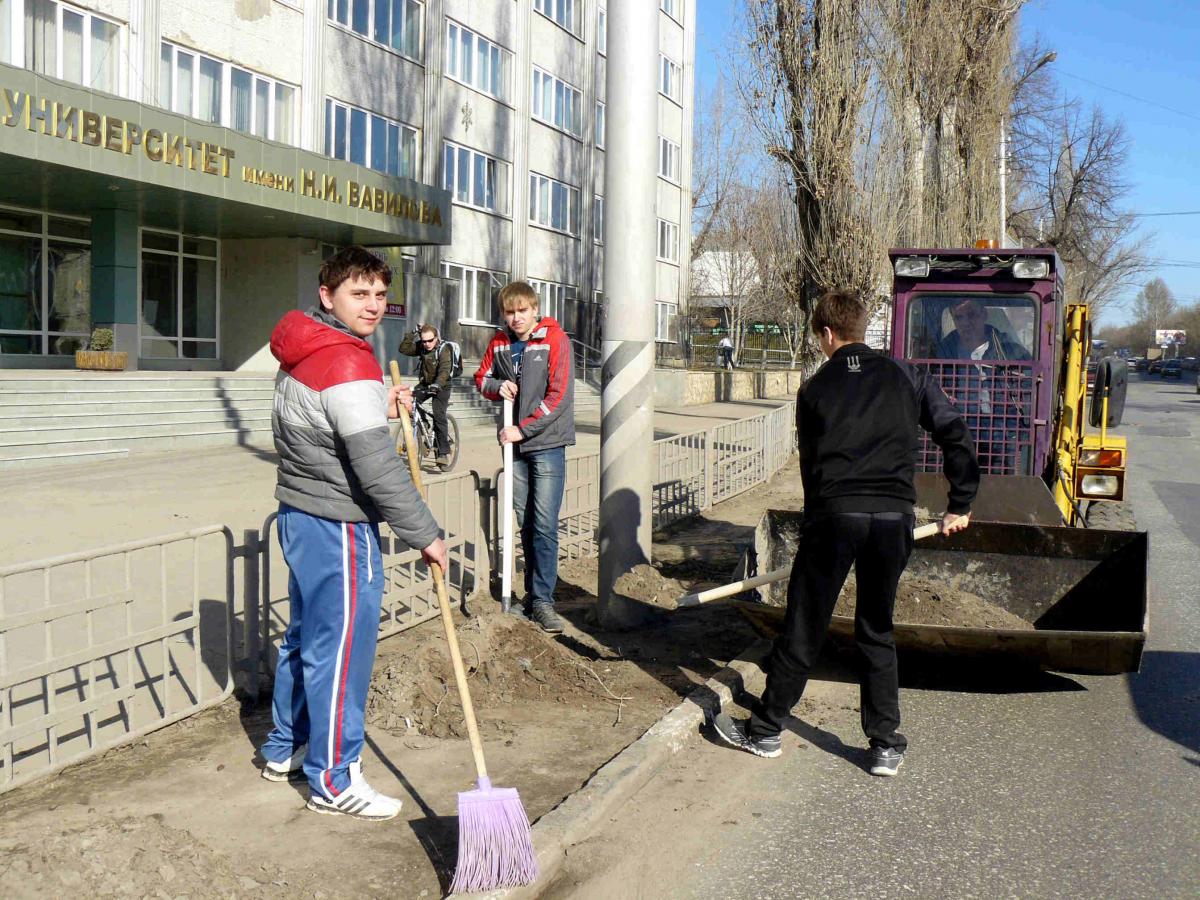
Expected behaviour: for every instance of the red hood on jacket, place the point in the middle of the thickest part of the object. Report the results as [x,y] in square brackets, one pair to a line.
[299,336]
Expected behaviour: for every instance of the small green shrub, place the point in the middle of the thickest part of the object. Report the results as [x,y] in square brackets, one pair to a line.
[102,339]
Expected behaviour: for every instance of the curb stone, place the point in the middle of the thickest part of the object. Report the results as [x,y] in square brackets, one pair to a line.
[574,819]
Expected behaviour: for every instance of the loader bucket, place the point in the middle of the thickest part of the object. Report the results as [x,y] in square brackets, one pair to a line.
[1080,593]
[1001,498]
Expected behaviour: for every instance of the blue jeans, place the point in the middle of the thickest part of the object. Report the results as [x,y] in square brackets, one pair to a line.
[537,516]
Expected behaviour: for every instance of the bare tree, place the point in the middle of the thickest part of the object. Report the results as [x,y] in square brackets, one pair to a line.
[1069,177]
[1155,305]
[719,150]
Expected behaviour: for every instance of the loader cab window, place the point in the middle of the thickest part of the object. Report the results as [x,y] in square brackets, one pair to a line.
[972,326]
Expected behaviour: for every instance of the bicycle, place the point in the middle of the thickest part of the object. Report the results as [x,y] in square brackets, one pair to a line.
[425,438]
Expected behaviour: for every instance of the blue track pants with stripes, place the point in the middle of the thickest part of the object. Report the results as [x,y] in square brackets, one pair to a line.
[325,660]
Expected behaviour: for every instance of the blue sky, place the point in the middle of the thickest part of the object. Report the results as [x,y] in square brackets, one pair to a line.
[1139,62]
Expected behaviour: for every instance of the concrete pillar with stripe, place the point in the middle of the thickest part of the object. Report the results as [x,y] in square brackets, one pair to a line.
[627,460]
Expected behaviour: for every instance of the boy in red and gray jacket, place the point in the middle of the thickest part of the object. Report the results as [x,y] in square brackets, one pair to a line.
[544,394]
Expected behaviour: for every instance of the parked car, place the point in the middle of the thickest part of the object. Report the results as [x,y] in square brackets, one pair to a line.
[1190,363]
[1135,363]
[1172,368]
[1198,382]
[1155,365]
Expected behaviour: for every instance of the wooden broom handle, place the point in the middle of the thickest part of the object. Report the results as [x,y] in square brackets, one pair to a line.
[439,582]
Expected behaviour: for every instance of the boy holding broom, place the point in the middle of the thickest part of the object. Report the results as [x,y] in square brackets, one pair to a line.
[339,476]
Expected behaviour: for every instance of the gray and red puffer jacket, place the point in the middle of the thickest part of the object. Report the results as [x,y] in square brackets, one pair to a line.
[545,408]
[336,456]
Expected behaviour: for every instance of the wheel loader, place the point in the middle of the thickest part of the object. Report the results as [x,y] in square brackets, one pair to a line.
[994,329]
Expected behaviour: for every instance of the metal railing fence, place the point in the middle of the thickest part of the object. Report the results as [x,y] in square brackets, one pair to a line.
[101,647]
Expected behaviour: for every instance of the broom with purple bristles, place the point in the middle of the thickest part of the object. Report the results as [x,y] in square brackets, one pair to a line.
[495,846]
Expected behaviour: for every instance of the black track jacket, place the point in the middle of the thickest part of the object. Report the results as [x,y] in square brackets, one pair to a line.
[857,420]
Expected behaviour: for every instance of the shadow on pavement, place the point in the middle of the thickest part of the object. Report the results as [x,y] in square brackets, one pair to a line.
[1166,697]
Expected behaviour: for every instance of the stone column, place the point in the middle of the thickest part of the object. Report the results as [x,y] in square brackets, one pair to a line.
[115,277]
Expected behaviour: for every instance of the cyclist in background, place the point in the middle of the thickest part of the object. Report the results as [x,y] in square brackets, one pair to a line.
[437,363]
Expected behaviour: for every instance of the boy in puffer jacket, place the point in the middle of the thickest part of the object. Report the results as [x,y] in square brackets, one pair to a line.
[544,395]
[339,476]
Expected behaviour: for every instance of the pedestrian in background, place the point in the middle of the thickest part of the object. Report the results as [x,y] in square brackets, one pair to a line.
[339,476]
[544,427]
[857,420]
[725,348]
[433,381]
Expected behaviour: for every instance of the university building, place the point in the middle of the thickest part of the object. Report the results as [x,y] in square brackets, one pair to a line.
[178,171]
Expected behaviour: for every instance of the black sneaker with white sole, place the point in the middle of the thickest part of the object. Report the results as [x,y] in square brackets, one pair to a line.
[737,734]
[886,761]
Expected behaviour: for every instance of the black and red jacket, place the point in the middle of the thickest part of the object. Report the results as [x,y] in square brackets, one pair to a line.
[545,408]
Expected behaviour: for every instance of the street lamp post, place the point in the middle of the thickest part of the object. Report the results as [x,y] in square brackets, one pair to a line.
[627,459]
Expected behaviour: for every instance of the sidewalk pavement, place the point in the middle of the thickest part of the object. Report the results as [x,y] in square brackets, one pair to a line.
[84,506]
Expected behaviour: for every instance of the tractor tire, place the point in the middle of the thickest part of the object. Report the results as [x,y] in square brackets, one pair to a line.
[1111,515]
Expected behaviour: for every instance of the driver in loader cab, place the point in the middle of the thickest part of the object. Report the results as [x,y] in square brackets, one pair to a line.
[857,420]
[974,338]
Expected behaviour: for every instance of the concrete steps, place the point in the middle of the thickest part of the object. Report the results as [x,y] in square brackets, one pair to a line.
[50,417]
[47,418]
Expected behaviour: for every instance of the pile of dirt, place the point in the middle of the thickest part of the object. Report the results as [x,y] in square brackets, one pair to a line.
[510,662]
[921,601]
[129,857]
[648,584]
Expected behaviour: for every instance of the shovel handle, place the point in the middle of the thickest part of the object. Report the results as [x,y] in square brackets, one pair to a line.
[439,583]
[749,584]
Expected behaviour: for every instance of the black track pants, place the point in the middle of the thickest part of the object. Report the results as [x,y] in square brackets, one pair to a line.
[878,545]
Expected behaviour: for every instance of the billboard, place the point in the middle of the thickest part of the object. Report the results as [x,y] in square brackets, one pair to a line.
[1170,337]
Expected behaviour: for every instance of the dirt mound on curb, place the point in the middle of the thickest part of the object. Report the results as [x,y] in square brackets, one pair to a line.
[509,662]
[920,601]
[130,857]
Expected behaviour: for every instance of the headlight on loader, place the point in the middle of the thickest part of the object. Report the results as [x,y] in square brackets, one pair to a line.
[1100,486]
[912,267]
[1030,268]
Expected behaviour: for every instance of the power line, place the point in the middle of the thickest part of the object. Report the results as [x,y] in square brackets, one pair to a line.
[1105,87]
[1186,212]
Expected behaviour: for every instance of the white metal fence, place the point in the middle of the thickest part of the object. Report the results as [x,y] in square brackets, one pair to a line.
[99,648]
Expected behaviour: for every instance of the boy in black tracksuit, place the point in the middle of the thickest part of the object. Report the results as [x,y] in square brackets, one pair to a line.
[857,419]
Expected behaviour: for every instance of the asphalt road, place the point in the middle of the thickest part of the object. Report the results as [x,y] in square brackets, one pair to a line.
[1015,785]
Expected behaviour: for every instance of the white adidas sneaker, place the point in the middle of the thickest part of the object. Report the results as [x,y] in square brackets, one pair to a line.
[359,800]
[291,768]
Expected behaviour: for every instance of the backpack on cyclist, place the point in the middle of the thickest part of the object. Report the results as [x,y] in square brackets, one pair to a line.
[456,366]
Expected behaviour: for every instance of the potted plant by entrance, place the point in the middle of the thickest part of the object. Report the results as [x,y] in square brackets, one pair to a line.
[100,354]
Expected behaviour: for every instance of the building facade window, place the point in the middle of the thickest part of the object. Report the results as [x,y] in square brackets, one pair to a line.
[180,296]
[67,42]
[670,82]
[199,86]
[553,298]
[602,32]
[371,140]
[477,62]
[392,23]
[45,283]
[668,159]
[556,103]
[666,322]
[562,12]
[600,115]
[553,204]
[477,289]
[673,8]
[668,241]
[475,179]
[598,219]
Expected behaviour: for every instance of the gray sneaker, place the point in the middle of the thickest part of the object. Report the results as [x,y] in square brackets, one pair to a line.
[737,734]
[519,608]
[545,616]
[886,760]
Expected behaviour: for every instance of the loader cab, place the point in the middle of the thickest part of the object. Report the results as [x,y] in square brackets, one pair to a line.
[985,323]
